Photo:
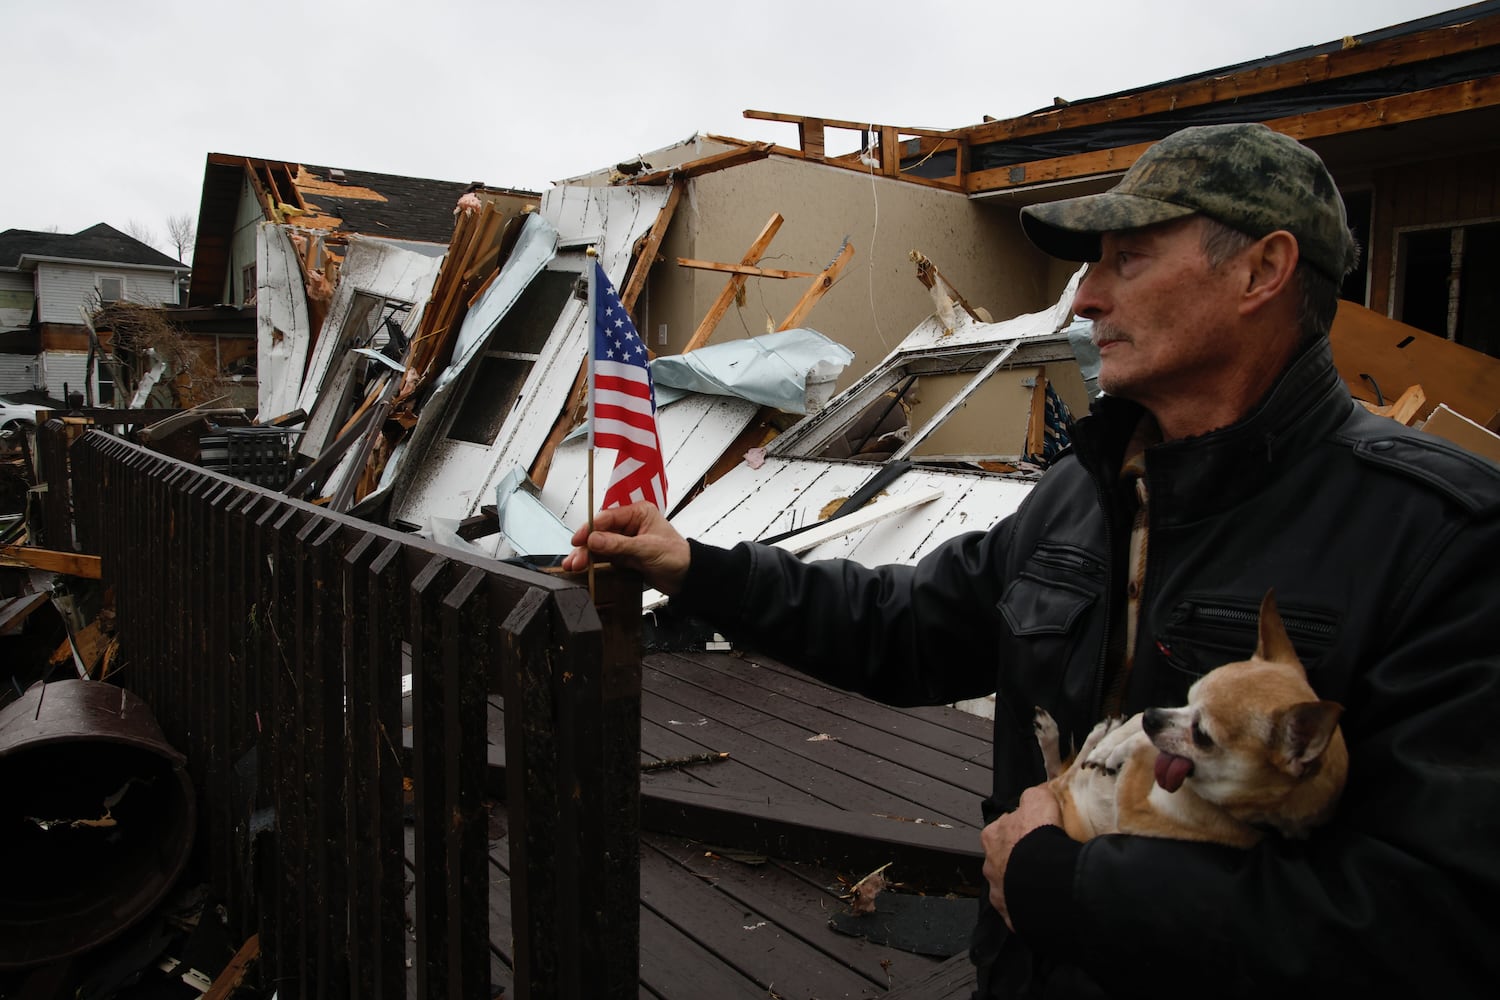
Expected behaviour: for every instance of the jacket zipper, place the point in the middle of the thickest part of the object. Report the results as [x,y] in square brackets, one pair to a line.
[1294,625]
[1063,559]
[1101,666]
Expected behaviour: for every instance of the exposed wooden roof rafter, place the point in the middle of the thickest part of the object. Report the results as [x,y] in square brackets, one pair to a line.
[1362,58]
[1467,96]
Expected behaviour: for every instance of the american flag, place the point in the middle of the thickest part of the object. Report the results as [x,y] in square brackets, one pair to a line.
[624,402]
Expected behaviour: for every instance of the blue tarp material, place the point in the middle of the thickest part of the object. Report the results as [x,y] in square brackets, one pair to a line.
[773,370]
[527,523]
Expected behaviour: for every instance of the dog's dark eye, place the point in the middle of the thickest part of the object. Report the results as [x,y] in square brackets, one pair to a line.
[1201,739]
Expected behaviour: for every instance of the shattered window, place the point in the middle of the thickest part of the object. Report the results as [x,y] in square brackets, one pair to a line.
[509,356]
[975,407]
[374,321]
[1445,283]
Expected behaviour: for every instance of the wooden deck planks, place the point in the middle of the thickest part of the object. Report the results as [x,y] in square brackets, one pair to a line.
[712,926]
[752,942]
[804,703]
[830,772]
[801,899]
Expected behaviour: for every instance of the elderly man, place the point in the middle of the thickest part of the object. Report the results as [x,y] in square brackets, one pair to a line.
[1225,458]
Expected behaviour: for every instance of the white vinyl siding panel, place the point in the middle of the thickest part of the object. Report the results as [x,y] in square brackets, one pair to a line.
[18,373]
[61,368]
[65,288]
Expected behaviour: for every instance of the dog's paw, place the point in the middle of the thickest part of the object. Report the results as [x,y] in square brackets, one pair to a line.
[1044,724]
[1046,739]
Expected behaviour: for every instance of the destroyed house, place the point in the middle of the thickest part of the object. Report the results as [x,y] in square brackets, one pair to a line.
[725,810]
[239,192]
[322,207]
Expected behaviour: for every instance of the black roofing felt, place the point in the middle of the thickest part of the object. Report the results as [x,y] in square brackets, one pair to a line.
[415,208]
[100,242]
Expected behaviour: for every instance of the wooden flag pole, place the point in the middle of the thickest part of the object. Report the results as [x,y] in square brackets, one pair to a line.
[592,253]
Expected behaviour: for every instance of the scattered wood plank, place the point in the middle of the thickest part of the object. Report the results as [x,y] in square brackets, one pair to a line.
[67,563]
[15,610]
[1370,349]
[1404,410]
[233,975]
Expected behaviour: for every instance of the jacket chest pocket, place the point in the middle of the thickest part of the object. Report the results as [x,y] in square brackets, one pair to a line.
[1057,584]
[1203,633]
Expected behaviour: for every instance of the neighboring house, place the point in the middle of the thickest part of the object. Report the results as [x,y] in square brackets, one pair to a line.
[321,209]
[1407,118]
[49,281]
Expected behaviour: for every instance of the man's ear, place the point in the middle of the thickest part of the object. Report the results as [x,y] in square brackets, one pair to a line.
[1270,263]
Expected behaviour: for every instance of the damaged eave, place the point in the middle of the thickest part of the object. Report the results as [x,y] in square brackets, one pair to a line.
[746,153]
[1253,93]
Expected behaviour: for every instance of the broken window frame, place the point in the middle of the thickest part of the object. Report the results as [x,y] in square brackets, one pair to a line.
[983,362]
[488,399]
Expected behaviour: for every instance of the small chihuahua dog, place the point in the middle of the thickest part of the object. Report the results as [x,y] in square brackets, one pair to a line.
[1253,750]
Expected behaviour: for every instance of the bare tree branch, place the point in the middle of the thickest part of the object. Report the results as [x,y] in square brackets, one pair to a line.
[181,233]
[140,231]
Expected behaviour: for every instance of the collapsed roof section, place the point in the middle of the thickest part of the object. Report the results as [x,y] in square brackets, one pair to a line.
[332,203]
[430,387]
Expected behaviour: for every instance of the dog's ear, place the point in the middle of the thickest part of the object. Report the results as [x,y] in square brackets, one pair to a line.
[1302,734]
[1274,644]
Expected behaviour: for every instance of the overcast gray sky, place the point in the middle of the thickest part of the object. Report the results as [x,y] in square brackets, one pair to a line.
[116,104]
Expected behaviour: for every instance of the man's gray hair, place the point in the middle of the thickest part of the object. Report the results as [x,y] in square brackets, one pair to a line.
[1318,293]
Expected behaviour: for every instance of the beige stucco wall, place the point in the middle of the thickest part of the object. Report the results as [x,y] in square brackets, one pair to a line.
[878,299]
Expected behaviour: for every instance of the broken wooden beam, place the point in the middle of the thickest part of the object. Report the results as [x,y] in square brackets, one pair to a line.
[52,561]
[707,165]
[820,286]
[636,283]
[736,282]
[929,275]
[232,977]
[745,269]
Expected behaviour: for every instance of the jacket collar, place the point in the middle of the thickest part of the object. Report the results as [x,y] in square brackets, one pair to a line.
[1203,475]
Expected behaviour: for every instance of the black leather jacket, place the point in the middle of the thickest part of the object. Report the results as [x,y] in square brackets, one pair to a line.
[1383,546]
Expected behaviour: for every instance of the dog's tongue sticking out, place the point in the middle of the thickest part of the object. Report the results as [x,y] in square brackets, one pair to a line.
[1172,771]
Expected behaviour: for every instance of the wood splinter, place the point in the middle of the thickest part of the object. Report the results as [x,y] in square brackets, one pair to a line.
[698,758]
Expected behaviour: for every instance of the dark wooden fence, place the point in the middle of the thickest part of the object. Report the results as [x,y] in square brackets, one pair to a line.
[270,638]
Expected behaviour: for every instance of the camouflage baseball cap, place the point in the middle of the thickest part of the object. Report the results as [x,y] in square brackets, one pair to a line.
[1246,176]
